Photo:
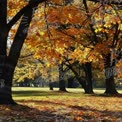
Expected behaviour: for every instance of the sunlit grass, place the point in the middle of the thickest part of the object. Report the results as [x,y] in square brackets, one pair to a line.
[21,93]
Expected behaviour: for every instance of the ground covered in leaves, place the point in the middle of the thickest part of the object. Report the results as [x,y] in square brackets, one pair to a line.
[42,105]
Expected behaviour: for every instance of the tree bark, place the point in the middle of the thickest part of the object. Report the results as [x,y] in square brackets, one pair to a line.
[62,85]
[88,72]
[109,75]
[6,77]
[70,82]
[6,73]
[9,62]
[51,85]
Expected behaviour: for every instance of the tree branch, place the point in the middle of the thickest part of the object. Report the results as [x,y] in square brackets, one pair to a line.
[19,38]
[95,40]
[32,4]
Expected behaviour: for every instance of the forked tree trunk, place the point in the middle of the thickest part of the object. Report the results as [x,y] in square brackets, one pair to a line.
[109,75]
[85,83]
[9,62]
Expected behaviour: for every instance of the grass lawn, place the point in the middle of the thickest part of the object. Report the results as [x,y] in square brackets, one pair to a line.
[42,105]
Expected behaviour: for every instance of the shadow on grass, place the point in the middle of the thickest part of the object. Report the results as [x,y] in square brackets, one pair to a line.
[32,93]
[43,93]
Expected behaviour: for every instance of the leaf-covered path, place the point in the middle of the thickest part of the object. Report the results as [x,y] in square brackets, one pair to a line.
[39,105]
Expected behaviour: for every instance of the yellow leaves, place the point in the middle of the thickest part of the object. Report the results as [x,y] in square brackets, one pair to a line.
[120,27]
[107,25]
[80,55]
[64,23]
[70,16]
[48,64]
[98,30]
[105,19]
[103,30]
[41,33]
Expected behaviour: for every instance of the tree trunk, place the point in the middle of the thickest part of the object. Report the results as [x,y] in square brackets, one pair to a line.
[9,62]
[81,82]
[62,85]
[6,76]
[51,85]
[5,69]
[109,75]
[110,86]
[70,82]
[88,72]
[86,83]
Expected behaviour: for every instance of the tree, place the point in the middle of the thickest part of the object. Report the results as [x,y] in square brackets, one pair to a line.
[8,62]
[106,37]
[65,31]
[98,32]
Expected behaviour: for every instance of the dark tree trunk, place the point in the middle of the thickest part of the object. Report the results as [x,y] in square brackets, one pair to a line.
[6,76]
[86,83]
[51,85]
[5,86]
[109,75]
[88,72]
[81,82]
[110,86]
[6,72]
[9,62]
[62,84]
[70,82]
